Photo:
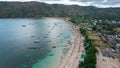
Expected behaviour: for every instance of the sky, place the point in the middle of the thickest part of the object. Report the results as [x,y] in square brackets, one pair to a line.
[96,3]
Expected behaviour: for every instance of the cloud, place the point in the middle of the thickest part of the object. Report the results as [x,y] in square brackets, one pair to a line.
[97,3]
[88,0]
[67,2]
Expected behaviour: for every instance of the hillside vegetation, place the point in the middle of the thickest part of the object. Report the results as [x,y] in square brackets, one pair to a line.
[37,9]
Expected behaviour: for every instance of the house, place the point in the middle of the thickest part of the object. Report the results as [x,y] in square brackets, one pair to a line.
[89,29]
[95,22]
[86,45]
[83,56]
[118,38]
[117,45]
[111,37]
[113,42]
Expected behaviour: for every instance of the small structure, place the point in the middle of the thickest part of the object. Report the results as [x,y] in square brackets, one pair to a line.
[83,56]
[86,45]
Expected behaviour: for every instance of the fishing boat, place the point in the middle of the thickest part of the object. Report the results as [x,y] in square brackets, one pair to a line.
[34,47]
[53,46]
[23,25]
[36,41]
[51,54]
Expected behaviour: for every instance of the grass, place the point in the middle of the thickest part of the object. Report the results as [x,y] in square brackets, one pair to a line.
[95,37]
[98,40]
[118,30]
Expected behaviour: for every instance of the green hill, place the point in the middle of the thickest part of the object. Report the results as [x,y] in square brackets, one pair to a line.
[37,9]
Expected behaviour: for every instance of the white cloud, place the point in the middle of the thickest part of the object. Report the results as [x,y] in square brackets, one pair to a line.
[106,5]
[97,3]
[104,1]
[67,2]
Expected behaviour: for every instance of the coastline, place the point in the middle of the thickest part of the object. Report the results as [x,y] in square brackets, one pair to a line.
[59,51]
[72,57]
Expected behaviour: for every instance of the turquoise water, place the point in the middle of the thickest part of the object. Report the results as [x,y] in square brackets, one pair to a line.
[27,43]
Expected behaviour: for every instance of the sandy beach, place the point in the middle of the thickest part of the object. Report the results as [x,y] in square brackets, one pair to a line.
[72,58]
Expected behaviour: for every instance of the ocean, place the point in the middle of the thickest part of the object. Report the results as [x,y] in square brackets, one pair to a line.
[33,43]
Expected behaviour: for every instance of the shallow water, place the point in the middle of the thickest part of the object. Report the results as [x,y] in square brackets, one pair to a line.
[27,43]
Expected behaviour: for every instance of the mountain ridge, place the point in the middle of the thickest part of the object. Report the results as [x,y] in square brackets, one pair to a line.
[39,9]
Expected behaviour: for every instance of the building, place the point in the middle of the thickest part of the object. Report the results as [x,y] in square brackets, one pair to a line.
[117,45]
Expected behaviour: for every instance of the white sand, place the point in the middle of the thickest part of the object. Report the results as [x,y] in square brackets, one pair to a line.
[71,59]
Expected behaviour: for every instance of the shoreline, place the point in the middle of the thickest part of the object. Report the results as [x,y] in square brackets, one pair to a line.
[72,57]
[70,54]
[59,51]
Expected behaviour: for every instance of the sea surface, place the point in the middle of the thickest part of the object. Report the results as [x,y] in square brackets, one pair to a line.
[33,43]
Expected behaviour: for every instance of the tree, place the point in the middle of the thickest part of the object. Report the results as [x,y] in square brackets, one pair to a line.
[109,28]
[83,31]
[81,65]
[94,28]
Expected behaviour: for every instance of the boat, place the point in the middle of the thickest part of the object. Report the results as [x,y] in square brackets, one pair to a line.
[23,25]
[33,36]
[58,36]
[51,54]
[49,41]
[53,46]
[36,41]
[34,47]
[55,24]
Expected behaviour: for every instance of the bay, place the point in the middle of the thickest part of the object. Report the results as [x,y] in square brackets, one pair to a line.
[28,43]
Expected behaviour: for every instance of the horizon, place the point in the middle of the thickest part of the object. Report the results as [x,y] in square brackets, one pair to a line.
[98,3]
